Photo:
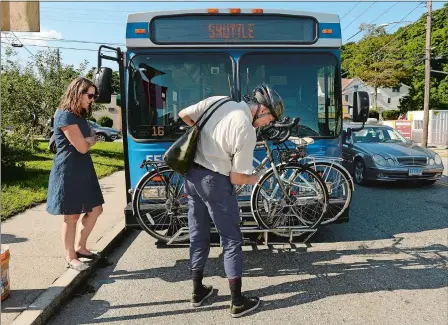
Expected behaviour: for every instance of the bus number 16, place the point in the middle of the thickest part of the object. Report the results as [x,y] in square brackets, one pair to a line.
[158,131]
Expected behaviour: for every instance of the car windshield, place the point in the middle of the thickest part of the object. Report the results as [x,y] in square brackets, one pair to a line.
[378,135]
[93,124]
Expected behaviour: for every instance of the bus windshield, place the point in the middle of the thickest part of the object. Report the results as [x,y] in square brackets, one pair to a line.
[160,85]
[308,84]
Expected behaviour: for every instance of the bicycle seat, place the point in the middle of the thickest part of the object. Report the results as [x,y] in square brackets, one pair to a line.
[301,142]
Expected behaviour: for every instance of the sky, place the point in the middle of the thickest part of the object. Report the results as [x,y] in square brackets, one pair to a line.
[79,25]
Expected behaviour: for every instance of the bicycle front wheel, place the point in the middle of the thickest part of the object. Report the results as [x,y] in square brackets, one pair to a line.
[302,207]
[161,206]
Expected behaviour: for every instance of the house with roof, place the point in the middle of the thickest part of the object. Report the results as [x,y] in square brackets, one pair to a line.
[388,98]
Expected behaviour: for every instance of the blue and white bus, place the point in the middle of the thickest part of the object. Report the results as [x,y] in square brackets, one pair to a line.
[177,58]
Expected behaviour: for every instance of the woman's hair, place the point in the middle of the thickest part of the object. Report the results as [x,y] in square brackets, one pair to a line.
[71,99]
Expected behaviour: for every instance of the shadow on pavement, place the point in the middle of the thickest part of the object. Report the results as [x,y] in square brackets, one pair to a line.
[319,274]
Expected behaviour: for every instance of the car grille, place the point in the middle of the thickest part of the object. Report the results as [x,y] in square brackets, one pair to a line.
[412,161]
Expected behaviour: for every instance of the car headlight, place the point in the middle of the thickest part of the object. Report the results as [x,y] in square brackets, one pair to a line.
[431,161]
[391,162]
[437,159]
[379,160]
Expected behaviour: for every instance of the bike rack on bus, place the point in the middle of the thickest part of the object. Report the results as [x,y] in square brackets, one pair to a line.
[293,232]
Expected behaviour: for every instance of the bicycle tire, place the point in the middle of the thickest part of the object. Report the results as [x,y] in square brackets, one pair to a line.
[335,207]
[161,216]
[321,190]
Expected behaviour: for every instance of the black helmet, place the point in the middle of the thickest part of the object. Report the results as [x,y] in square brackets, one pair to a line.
[268,97]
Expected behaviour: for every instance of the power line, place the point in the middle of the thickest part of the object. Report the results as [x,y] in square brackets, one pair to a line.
[396,36]
[359,15]
[387,10]
[51,39]
[23,45]
[351,9]
[60,47]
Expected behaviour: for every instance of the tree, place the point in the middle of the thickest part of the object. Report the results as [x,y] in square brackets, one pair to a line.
[374,65]
[412,44]
[31,92]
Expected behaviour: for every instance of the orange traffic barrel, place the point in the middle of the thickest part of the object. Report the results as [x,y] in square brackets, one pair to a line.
[5,272]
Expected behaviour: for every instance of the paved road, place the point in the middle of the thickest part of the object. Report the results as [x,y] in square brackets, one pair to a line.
[387,266]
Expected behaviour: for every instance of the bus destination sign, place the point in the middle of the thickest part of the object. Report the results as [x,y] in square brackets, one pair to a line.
[241,29]
[231,31]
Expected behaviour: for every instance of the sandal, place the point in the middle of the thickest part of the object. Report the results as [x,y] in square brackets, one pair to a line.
[92,256]
[77,267]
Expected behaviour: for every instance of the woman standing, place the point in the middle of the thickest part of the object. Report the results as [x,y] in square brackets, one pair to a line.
[73,187]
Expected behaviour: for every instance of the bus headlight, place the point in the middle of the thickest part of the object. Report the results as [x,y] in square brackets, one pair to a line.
[379,160]
[437,159]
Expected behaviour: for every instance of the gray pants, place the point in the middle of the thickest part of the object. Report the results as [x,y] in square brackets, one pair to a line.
[212,196]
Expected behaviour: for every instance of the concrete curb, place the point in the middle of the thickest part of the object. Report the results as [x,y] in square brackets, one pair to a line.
[47,303]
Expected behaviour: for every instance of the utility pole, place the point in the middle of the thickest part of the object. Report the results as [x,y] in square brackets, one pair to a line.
[427,75]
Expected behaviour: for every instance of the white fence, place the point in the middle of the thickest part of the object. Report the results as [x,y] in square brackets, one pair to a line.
[437,128]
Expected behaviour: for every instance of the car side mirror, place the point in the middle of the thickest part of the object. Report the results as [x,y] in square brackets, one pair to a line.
[361,105]
[103,81]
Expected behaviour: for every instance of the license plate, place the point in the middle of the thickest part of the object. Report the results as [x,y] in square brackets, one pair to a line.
[415,172]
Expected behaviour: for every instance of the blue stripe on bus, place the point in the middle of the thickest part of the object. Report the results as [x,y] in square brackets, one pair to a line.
[336,27]
[131,27]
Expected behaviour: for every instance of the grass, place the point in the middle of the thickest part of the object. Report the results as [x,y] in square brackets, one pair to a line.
[29,188]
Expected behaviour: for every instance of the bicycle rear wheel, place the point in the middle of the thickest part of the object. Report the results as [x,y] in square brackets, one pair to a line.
[339,188]
[302,208]
[161,206]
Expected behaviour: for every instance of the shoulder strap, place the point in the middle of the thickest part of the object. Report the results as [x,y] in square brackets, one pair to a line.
[218,105]
[204,114]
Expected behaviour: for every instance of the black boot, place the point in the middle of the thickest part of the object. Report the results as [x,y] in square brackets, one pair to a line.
[200,291]
[240,304]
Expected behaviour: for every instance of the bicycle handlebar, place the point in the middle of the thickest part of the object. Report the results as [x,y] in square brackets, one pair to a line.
[280,127]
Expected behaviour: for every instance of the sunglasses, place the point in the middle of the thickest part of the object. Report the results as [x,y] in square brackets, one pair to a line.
[91,96]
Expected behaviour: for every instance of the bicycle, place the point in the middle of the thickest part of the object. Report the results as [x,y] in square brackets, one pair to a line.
[288,197]
[339,182]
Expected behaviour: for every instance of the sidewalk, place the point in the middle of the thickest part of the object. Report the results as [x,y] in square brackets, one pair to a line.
[37,255]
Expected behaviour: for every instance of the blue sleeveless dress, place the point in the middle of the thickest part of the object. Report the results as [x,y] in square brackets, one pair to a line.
[73,187]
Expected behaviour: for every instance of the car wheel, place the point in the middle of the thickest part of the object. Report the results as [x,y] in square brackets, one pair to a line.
[101,137]
[360,173]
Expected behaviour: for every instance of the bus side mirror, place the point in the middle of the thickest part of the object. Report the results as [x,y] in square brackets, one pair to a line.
[361,106]
[103,81]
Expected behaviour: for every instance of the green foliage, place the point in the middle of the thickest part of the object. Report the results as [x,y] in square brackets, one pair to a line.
[105,121]
[31,92]
[382,60]
[24,189]
[374,114]
[14,154]
[391,115]
[91,118]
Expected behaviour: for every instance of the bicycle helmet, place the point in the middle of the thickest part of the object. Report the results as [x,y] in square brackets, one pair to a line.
[268,97]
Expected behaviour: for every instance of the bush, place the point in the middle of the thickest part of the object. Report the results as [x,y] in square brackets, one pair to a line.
[14,154]
[105,121]
[91,118]
[374,114]
[391,115]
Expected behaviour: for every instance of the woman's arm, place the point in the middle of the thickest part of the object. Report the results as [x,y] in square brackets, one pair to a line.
[74,135]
